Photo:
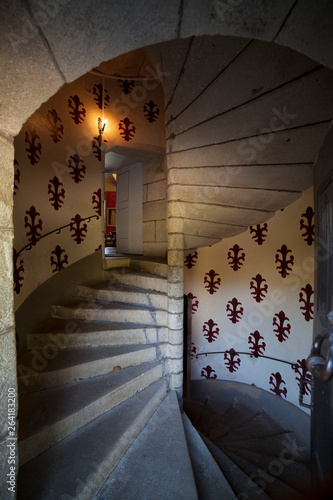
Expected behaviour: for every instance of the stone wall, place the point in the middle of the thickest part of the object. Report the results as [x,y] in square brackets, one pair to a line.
[42,48]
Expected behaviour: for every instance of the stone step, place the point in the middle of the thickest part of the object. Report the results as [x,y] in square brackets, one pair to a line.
[63,410]
[77,466]
[37,372]
[62,334]
[138,279]
[215,422]
[157,465]
[95,310]
[272,484]
[108,291]
[241,483]
[115,262]
[261,426]
[208,476]
[157,268]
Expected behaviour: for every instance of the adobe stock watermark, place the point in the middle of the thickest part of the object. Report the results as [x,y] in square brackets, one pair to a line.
[261,478]
[47,10]
[278,122]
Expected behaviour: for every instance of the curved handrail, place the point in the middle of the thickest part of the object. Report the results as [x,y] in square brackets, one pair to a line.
[29,246]
[293,365]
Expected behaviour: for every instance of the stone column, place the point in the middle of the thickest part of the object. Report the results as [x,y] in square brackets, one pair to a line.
[175,307]
[8,401]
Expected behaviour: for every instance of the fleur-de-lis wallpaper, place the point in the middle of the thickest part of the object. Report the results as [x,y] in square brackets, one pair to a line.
[58,165]
[259,305]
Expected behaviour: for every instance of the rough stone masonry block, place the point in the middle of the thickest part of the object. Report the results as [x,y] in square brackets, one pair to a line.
[148,232]
[176,274]
[6,280]
[176,258]
[82,33]
[28,73]
[175,321]
[157,191]
[176,336]
[155,210]
[175,241]
[176,382]
[259,19]
[175,351]
[8,376]
[176,305]
[6,183]
[161,231]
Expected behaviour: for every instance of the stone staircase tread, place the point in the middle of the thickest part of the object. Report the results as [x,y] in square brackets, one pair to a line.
[214,424]
[81,326]
[193,410]
[77,466]
[120,287]
[42,409]
[102,305]
[272,485]
[208,476]
[66,358]
[271,446]
[240,483]
[261,425]
[157,465]
[62,334]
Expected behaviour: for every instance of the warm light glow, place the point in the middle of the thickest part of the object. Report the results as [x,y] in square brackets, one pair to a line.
[101,125]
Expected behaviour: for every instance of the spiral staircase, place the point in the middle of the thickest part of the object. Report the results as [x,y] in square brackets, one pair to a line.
[98,421]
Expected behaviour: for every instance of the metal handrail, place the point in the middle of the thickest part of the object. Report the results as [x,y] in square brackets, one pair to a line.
[293,365]
[58,231]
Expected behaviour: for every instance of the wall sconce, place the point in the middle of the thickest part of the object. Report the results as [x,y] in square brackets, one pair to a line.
[101,125]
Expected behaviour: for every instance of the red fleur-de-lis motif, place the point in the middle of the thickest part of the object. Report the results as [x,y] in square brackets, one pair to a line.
[17,177]
[57,259]
[126,85]
[303,378]
[151,111]
[276,385]
[193,351]
[191,260]
[281,331]
[76,170]
[35,148]
[127,129]
[98,93]
[308,225]
[236,259]
[77,114]
[33,226]
[55,125]
[305,297]
[18,270]
[232,360]
[98,248]
[79,231]
[97,201]
[209,371]
[210,334]
[234,313]
[285,263]
[259,231]
[259,289]
[212,282]
[97,146]
[256,347]
[195,302]
[57,193]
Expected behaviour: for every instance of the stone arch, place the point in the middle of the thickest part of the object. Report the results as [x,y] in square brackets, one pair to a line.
[43,48]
